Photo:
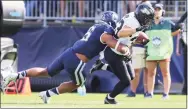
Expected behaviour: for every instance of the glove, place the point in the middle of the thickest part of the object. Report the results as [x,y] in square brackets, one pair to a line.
[180,26]
[127,55]
[127,58]
[142,28]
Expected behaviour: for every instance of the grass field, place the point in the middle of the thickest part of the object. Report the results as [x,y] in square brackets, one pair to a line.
[73,100]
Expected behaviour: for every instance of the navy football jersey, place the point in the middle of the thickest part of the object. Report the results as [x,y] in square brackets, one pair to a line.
[91,45]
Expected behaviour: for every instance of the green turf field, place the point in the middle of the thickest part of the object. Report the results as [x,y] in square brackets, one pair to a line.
[91,101]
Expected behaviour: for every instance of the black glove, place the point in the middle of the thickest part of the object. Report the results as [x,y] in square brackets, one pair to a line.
[127,58]
[180,26]
[142,28]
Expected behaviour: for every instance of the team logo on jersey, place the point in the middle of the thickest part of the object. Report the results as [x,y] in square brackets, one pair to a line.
[156,41]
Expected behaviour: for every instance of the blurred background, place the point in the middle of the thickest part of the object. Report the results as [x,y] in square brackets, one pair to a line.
[83,11]
[51,26]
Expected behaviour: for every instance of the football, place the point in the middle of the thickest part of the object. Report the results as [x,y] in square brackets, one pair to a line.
[142,38]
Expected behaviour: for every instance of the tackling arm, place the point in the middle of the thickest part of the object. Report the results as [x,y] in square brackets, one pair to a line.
[113,43]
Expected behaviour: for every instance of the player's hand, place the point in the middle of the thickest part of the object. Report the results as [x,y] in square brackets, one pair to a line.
[127,58]
[142,28]
[126,51]
[127,55]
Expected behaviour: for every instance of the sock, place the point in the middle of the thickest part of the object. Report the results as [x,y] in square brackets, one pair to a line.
[51,92]
[22,74]
[109,97]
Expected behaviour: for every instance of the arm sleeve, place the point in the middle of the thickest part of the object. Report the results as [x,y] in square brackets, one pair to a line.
[178,25]
[173,26]
[109,30]
[183,17]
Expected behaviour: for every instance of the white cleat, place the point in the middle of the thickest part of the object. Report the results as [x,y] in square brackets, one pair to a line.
[43,96]
[11,77]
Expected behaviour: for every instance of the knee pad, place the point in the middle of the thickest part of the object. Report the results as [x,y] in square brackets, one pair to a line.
[11,17]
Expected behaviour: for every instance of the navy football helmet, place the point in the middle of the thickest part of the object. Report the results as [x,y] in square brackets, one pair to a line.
[110,17]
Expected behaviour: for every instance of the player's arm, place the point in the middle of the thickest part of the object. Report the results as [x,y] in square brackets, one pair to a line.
[175,33]
[176,28]
[110,41]
[127,31]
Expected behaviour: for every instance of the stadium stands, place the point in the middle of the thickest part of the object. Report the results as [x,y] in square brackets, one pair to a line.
[88,11]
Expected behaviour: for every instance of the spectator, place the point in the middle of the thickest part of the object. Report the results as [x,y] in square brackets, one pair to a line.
[29,5]
[146,2]
[64,6]
[129,6]
[132,5]
[139,65]
[33,6]
[184,90]
[160,49]
[81,5]
[182,40]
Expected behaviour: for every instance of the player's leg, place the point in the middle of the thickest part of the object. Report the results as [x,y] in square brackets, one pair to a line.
[55,67]
[125,73]
[75,69]
[165,69]
[99,65]
[77,77]
[33,72]
[62,88]
[151,66]
[120,69]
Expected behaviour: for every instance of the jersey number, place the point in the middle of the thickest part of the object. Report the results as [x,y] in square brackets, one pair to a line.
[119,26]
[88,34]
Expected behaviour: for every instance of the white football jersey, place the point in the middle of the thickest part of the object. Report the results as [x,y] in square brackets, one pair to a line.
[130,21]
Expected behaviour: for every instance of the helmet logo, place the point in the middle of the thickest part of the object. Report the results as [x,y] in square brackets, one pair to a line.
[145,11]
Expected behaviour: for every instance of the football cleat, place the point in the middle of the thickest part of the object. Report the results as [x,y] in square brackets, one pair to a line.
[11,77]
[44,97]
[109,101]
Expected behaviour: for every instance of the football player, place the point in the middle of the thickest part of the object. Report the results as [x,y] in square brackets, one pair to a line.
[128,31]
[74,59]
